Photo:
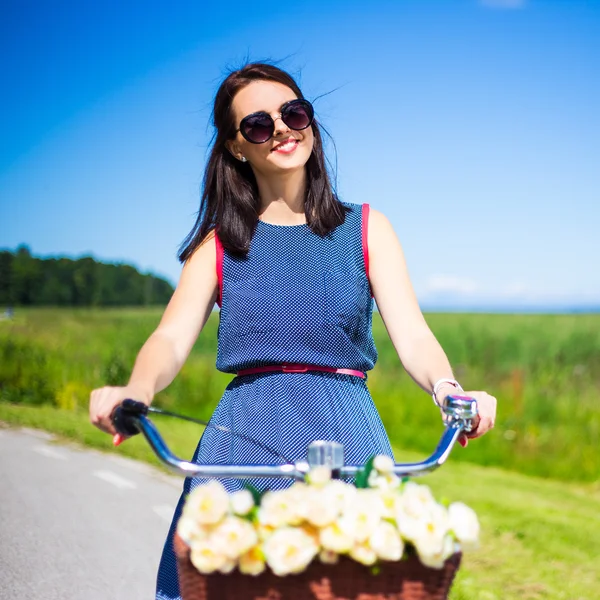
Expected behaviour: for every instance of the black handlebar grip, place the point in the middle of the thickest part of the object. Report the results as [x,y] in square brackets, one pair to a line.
[125,416]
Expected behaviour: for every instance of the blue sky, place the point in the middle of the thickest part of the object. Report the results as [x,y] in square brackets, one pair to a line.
[473,125]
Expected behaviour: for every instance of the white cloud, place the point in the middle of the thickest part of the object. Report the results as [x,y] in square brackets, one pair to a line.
[455,290]
[502,4]
[451,283]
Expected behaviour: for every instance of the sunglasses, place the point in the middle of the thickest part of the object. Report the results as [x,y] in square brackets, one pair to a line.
[259,127]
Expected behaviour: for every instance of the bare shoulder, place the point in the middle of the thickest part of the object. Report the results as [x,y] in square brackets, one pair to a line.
[377,218]
[194,295]
[381,232]
[198,280]
[204,256]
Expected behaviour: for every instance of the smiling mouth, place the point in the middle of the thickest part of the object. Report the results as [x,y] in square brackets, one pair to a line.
[286,147]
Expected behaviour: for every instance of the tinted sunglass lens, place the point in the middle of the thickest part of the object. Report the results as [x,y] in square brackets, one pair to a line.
[257,128]
[298,115]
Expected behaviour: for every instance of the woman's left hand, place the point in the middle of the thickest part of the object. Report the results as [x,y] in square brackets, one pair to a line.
[485,419]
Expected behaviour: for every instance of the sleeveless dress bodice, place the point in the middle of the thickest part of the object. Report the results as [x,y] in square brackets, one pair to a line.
[296,298]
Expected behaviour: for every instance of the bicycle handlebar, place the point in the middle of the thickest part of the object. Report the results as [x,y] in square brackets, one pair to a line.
[130,418]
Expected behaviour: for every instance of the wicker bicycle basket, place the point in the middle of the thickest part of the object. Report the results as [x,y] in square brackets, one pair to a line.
[347,580]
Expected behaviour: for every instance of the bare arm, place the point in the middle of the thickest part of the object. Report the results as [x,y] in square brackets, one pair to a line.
[166,350]
[418,350]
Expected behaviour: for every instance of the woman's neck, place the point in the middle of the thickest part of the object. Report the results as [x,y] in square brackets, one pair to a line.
[282,198]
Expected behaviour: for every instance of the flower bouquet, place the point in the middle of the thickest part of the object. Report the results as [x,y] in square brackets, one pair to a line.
[378,539]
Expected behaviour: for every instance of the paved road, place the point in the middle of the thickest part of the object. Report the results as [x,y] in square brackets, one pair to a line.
[76,524]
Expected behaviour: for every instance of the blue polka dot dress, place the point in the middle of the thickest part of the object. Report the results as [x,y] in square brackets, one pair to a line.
[296,297]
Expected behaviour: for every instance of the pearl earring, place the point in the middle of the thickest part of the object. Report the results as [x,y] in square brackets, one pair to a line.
[243,159]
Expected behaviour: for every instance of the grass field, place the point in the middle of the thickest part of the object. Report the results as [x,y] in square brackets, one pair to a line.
[544,370]
[534,481]
[540,538]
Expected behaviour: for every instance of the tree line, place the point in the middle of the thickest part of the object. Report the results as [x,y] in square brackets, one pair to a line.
[26,280]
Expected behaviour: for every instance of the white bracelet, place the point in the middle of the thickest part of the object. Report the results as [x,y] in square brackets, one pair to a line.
[438,385]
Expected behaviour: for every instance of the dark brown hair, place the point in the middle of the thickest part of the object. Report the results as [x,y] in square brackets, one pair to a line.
[229,200]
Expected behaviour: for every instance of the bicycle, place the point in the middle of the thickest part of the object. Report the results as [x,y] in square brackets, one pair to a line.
[402,580]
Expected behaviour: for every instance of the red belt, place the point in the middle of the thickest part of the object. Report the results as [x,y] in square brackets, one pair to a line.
[298,368]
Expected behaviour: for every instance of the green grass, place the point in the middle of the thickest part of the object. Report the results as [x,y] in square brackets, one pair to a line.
[540,538]
[544,370]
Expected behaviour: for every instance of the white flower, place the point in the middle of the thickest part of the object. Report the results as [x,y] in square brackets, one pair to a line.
[319,476]
[385,542]
[208,503]
[416,499]
[241,502]
[416,503]
[328,557]
[317,510]
[383,481]
[233,536]
[364,513]
[339,494]
[383,463]
[433,552]
[263,531]
[252,562]
[363,553]
[338,536]
[430,535]
[289,550]
[464,524]
[391,502]
[298,495]
[227,566]
[205,558]
[189,529]
[281,508]
[431,523]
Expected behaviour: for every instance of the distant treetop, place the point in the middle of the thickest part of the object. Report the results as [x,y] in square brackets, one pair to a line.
[26,280]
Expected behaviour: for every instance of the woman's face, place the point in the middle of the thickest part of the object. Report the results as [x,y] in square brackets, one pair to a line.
[287,150]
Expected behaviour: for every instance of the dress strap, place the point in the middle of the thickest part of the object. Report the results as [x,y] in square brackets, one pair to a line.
[365,238]
[219,266]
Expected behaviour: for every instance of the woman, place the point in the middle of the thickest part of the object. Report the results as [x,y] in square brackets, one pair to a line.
[293,270]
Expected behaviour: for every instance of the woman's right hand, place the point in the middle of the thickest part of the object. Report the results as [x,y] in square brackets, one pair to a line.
[103,402]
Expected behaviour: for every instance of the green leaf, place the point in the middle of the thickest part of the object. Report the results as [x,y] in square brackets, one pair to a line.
[362,477]
[256,494]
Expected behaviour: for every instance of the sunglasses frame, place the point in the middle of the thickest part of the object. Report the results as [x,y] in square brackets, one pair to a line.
[302,101]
